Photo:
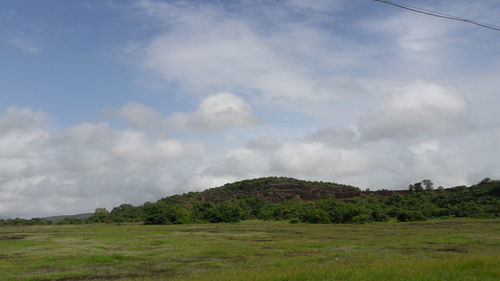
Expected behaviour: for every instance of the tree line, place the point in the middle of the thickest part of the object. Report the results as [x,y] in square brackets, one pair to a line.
[423,202]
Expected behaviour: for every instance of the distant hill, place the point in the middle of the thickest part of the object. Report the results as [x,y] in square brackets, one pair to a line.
[273,189]
[77,216]
[282,198]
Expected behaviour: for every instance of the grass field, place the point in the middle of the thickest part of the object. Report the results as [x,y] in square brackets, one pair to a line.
[456,249]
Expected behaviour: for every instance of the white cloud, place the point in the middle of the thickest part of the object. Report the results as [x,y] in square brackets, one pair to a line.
[386,164]
[55,171]
[419,109]
[215,112]
[137,147]
[141,117]
[317,160]
[208,48]
[20,120]
[342,137]
[240,162]
[218,54]
[48,171]
[301,159]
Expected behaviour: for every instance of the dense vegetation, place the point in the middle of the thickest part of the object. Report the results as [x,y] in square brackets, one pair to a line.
[276,198]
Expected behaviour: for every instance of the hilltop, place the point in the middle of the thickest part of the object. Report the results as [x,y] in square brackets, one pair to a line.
[273,189]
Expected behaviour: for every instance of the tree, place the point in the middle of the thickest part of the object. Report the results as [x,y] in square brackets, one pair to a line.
[125,213]
[485,181]
[162,213]
[153,214]
[428,184]
[417,187]
[100,215]
[176,214]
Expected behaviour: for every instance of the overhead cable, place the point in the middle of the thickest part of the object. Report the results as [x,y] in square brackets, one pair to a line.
[438,14]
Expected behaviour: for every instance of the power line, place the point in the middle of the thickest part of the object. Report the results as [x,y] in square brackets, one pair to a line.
[438,14]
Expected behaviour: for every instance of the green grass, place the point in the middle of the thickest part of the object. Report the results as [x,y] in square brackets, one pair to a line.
[457,249]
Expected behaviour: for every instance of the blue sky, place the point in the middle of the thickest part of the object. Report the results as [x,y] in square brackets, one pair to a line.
[68,61]
[105,102]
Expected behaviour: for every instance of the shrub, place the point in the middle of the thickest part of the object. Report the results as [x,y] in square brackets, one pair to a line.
[314,215]
[361,219]
[224,212]
[405,216]
[379,215]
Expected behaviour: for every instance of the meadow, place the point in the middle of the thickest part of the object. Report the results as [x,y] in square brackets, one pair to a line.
[436,250]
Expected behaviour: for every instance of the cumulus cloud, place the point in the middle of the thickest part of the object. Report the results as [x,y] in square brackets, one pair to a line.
[215,112]
[48,171]
[390,164]
[317,159]
[21,119]
[52,171]
[301,159]
[218,111]
[419,109]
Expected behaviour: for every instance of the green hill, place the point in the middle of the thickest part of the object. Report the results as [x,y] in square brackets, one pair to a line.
[273,189]
[77,216]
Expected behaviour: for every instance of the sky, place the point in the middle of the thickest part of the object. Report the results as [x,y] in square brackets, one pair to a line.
[111,102]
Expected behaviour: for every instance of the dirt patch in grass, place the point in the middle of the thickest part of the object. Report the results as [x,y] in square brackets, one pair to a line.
[249,239]
[412,250]
[453,250]
[169,272]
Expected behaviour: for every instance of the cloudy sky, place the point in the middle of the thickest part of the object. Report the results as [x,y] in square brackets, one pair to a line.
[107,102]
